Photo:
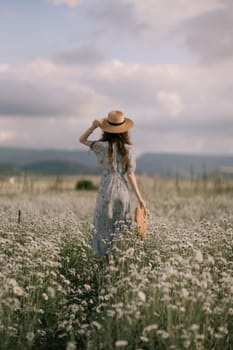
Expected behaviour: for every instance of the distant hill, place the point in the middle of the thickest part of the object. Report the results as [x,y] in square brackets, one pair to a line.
[60,167]
[6,169]
[170,164]
[15,160]
[22,157]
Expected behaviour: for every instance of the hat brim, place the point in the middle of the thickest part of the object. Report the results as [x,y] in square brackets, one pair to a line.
[116,129]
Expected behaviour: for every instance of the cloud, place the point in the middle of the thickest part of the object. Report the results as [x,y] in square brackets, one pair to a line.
[87,54]
[162,16]
[200,30]
[70,3]
[210,35]
[146,19]
[165,101]
[203,28]
[30,99]
[4,68]
[118,17]
[6,135]
[41,89]
[194,101]
[171,102]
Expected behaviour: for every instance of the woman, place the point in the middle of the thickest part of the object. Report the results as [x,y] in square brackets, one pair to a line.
[115,155]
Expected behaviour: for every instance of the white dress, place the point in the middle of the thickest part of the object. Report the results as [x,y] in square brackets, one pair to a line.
[113,202]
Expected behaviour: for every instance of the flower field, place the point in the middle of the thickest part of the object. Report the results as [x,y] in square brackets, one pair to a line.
[173,290]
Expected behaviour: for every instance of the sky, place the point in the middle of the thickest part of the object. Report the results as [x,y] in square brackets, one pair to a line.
[167,64]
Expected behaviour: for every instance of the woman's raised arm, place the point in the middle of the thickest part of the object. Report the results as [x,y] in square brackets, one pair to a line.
[83,138]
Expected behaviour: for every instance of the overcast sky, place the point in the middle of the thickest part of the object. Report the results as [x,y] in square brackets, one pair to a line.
[167,64]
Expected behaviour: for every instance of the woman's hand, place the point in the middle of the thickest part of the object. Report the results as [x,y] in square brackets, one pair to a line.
[97,122]
[142,203]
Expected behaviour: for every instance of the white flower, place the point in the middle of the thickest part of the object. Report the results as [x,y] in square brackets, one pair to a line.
[30,336]
[223,330]
[18,290]
[150,328]
[145,339]
[45,296]
[71,346]
[210,260]
[17,304]
[198,256]
[87,286]
[51,292]
[171,271]
[121,343]
[142,296]
[187,343]
[74,308]
[12,282]
[97,325]
[184,293]
[163,333]
[194,327]
[111,313]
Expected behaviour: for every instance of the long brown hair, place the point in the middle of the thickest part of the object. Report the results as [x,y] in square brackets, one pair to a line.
[120,139]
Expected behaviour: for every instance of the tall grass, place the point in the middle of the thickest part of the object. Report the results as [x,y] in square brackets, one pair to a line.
[170,291]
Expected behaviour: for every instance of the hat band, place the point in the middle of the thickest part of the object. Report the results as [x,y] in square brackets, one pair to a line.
[116,124]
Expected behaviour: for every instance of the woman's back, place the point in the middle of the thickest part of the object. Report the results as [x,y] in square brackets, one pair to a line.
[117,165]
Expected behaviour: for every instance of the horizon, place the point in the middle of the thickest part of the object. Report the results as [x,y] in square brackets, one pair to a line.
[86,149]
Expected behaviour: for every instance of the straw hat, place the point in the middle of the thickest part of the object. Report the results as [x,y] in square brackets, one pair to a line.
[116,122]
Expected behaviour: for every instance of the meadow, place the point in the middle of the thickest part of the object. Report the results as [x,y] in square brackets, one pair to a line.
[173,290]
